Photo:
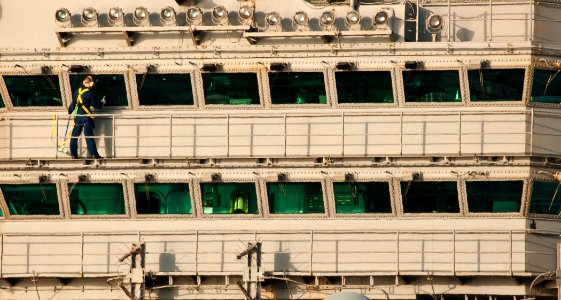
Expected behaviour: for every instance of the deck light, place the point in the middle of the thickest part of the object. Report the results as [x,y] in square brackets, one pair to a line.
[245,14]
[220,15]
[345,66]
[215,177]
[381,18]
[195,15]
[434,23]
[327,19]
[273,20]
[281,177]
[89,17]
[277,67]
[149,178]
[63,17]
[211,67]
[141,16]
[352,20]
[116,17]
[167,16]
[301,20]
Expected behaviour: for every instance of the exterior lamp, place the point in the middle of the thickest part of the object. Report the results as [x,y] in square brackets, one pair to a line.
[245,14]
[301,20]
[141,16]
[273,20]
[327,20]
[434,24]
[63,17]
[220,15]
[116,17]
[352,20]
[194,15]
[167,16]
[89,17]
[381,18]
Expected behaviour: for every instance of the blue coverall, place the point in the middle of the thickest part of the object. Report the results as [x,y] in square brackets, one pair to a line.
[83,122]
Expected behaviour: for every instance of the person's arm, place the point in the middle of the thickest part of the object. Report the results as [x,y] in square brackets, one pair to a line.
[93,101]
[72,106]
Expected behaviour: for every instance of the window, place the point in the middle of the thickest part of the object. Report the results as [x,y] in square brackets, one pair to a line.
[231,88]
[31,199]
[546,87]
[164,89]
[112,87]
[546,198]
[364,87]
[362,197]
[295,197]
[36,90]
[297,88]
[430,197]
[162,198]
[494,196]
[2,105]
[432,86]
[96,199]
[496,84]
[229,198]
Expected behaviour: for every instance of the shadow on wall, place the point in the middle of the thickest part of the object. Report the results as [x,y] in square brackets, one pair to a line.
[0,10]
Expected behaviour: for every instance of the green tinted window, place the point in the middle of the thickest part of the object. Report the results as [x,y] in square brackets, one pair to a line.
[546,198]
[364,87]
[496,85]
[36,90]
[432,86]
[162,198]
[2,105]
[231,88]
[546,87]
[295,197]
[430,197]
[297,88]
[96,199]
[112,87]
[164,89]
[31,199]
[494,196]
[229,198]
[362,197]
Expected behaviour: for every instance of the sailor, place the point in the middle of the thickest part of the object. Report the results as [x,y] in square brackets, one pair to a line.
[83,104]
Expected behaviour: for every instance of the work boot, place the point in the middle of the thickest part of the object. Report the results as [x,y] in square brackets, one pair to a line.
[97,156]
[75,157]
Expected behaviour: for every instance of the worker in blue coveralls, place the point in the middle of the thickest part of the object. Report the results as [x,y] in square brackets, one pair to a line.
[83,104]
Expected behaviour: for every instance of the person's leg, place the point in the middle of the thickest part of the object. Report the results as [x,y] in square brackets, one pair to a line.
[90,142]
[74,139]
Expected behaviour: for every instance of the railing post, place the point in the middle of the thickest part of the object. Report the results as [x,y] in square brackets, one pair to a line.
[491,20]
[197,252]
[170,135]
[460,133]
[401,133]
[311,251]
[284,132]
[113,136]
[56,136]
[2,255]
[454,252]
[82,254]
[227,135]
[510,253]
[532,132]
[397,252]
[343,134]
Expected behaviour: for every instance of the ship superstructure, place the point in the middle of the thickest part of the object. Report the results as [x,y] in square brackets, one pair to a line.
[282,149]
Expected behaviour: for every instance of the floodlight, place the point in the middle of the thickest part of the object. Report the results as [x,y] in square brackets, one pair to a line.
[245,14]
[327,19]
[141,16]
[89,17]
[301,20]
[167,16]
[278,67]
[352,20]
[273,19]
[116,17]
[381,18]
[215,177]
[434,23]
[194,15]
[220,15]
[63,17]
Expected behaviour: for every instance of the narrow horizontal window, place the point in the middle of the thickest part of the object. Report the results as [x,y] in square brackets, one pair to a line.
[362,197]
[229,198]
[231,88]
[297,88]
[494,196]
[36,90]
[112,87]
[295,197]
[546,87]
[96,199]
[162,198]
[430,197]
[164,89]
[496,84]
[364,87]
[31,199]
[546,198]
[432,86]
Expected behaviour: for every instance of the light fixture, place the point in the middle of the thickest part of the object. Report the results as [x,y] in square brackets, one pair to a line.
[44,179]
[411,65]
[167,16]
[220,15]
[434,23]
[301,20]
[278,67]
[63,18]
[245,14]
[345,66]
[215,177]
[83,178]
[194,15]
[327,19]
[116,17]
[89,17]
[273,20]
[349,177]
[281,177]
[381,18]
[211,67]
[352,20]
[149,178]
[77,69]
[141,16]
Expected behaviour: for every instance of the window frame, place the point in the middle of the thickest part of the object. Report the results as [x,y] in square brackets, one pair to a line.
[4,96]
[6,211]
[395,96]
[126,199]
[462,79]
[162,71]
[202,96]
[462,205]
[309,179]
[530,83]
[523,198]
[526,88]
[327,85]
[135,215]
[529,198]
[363,179]
[8,100]
[225,179]
[103,71]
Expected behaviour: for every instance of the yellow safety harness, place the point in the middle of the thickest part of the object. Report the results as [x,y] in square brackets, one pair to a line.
[80,102]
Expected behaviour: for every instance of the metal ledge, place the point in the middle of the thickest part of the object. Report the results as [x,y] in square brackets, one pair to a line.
[326,36]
